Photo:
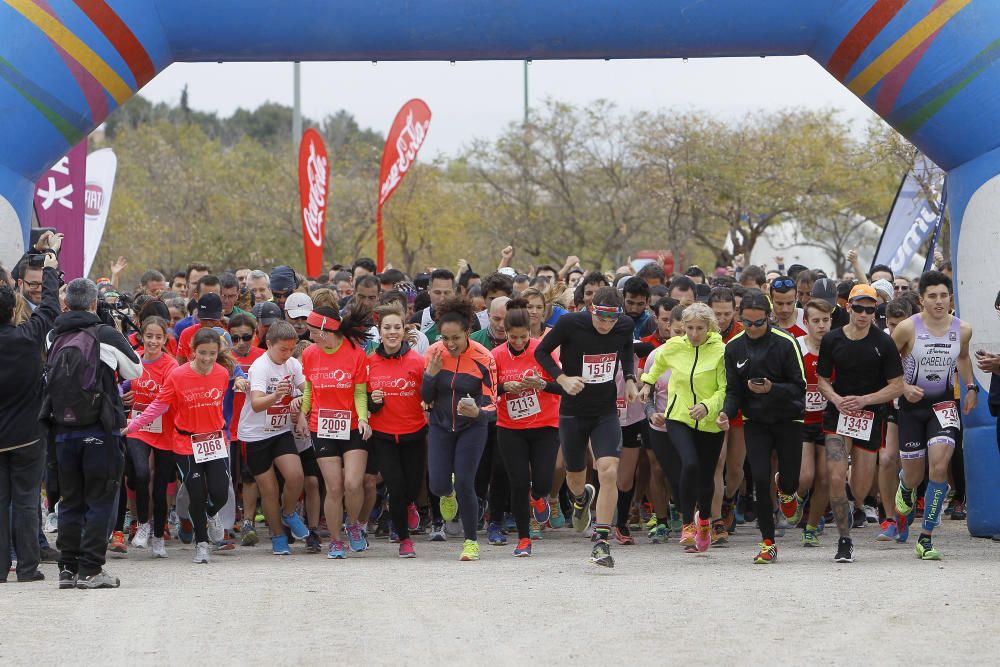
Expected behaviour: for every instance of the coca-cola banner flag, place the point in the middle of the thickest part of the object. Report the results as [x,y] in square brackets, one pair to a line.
[102,166]
[405,138]
[314,173]
[59,204]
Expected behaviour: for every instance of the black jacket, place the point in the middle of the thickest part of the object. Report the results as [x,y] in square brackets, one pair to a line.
[21,368]
[775,356]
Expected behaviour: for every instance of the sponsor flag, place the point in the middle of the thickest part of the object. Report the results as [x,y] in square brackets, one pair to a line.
[912,218]
[101,168]
[314,176]
[59,204]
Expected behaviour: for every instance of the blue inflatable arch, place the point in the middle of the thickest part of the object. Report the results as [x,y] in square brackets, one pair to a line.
[923,65]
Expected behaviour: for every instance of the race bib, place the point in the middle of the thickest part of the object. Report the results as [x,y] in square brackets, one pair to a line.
[815,402]
[278,417]
[157,424]
[524,406]
[599,368]
[856,425]
[947,414]
[334,424]
[622,408]
[209,446]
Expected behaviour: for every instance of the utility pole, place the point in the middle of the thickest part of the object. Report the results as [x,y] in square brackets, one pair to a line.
[296,110]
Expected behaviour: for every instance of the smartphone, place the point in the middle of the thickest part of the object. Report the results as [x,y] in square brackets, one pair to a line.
[757,381]
[981,353]
[36,261]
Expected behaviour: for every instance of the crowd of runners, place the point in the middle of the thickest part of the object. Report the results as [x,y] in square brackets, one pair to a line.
[365,407]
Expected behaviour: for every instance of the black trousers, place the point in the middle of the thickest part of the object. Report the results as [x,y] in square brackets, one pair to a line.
[403,466]
[20,485]
[762,439]
[207,485]
[491,478]
[694,455]
[90,471]
[530,459]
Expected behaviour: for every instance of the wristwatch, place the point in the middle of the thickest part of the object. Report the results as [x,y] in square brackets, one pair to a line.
[972,387]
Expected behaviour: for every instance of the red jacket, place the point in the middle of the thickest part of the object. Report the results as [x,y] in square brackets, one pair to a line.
[473,374]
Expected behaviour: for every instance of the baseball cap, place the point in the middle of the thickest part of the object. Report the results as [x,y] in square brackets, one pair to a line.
[863,292]
[298,305]
[507,271]
[825,289]
[267,313]
[210,307]
[885,288]
[283,279]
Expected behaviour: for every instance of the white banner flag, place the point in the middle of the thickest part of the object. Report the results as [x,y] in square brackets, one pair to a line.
[101,168]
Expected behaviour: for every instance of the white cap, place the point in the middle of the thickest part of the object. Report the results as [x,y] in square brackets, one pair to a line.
[507,271]
[298,305]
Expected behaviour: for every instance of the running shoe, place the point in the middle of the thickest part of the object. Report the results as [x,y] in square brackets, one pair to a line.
[449,504]
[494,536]
[534,529]
[556,518]
[738,512]
[117,546]
[845,551]
[791,505]
[675,520]
[100,580]
[871,514]
[729,516]
[926,551]
[889,531]
[624,536]
[157,548]
[294,523]
[509,524]
[903,527]
[216,531]
[48,555]
[437,533]
[141,539]
[470,551]
[393,535]
[52,521]
[201,550]
[67,579]
[406,549]
[601,554]
[279,545]
[703,535]
[659,534]
[688,532]
[904,501]
[225,545]
[454,528]
[858,518]
[958,510]
[313,544]
[809,538]
[652,522]
[355,538]
[412,517]
[768,553]
[720,536]
[581,509]
[590,533]
[523,548]
[336,549]
[248,534]
[540,508]
[173,519]
[259,517]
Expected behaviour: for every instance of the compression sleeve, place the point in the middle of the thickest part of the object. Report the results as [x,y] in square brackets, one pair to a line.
[307,393]
[361,400]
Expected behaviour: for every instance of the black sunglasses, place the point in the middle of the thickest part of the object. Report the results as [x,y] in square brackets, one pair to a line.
[755,323]
[858,308]
[246,338]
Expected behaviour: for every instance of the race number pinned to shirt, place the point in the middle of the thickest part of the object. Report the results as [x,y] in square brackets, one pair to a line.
[599,368]
[856,425]
[156,426]
[209,446]
[278,416]
[947,414]
[523,406]
[334,424]
[815,401]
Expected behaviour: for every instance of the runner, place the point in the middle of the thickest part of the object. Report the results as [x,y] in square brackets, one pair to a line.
[527,424]
[635,294]
[459,385]
[697,388]
[209,313]
[593,345]
[858,372]
[787,314]
[539,307]
[265,426]
[442,288]
[765,380]
[398,421]
[335,411]
[813,473]
[933,344]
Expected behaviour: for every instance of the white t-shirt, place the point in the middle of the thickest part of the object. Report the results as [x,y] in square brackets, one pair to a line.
[264,376]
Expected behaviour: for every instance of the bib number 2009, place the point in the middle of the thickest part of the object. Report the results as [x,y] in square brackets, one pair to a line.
[334,424]
[209,447]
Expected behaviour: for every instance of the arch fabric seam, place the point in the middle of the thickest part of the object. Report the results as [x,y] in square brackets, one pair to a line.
[166,40]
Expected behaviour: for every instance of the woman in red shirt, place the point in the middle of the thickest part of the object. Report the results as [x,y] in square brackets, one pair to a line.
[527,423]
[334,410]
[399,425]
[194,393]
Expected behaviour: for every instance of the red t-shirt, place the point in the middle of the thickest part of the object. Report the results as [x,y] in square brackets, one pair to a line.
[195,401]
[814,399]
[538,407]
[144,391]
[654,340]
[400,378]
[184,346]
[239,398]
[333,376]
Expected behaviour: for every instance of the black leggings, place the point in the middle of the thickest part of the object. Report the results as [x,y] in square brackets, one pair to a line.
[530,458]
[491,478]
[786,441]
[670,462]
[697,453]
[207,485]
[458,453]
[402,465]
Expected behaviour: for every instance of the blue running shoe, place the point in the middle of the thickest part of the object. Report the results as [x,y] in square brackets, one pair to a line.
[509,525]
[889,532]
[393,535]
[903,527]
[494,536]
[293,522]
[523,548]
[336,549]
[356,538]
[279,545]
[540,508]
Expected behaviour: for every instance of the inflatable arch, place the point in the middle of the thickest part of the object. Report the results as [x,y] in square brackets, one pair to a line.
[923,65]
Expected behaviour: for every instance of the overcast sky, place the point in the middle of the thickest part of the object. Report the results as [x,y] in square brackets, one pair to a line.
[477,99]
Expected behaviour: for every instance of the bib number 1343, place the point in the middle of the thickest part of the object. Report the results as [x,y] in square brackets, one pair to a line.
[857,425]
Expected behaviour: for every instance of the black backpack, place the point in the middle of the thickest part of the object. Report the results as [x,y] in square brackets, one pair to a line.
[72,378]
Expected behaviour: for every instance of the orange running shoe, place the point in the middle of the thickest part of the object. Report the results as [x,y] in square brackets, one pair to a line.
[118,543]
[768,553]
[687,535]
[720,536]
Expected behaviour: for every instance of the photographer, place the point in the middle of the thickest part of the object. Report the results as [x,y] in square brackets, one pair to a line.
[22,453]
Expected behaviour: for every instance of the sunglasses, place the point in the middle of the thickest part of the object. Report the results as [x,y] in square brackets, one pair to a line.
[246,338]
[754,323]
[858,308]
[607,314]
[783,284]
[281,295]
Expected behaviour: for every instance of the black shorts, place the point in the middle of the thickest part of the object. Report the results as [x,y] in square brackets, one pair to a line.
[892,415]
[326,447]
[813,433]
[310,468]
[261,454]
[602,432]
[919,427]
[240,449]
[877,440]
[634,435]
[371,467]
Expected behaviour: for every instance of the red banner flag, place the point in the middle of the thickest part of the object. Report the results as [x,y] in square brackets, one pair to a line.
[59,204]
[314,173]
[407,135]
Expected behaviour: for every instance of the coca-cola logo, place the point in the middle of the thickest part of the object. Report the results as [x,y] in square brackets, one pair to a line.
[314,212]
[93,199]
[410,139]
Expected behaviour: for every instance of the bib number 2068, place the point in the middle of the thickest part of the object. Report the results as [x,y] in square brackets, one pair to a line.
[209,447]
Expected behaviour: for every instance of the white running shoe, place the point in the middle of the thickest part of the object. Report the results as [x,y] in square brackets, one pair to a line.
[201,552]
[52,521]
[216,531]
[159,549]
[871,514]
[141,539]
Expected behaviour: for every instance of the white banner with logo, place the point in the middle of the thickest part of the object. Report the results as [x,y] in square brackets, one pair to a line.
[101,168]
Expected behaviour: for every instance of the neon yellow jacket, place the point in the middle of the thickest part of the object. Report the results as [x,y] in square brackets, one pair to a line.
[698,375]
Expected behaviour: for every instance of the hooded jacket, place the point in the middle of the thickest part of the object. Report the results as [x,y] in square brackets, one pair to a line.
[698,375]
